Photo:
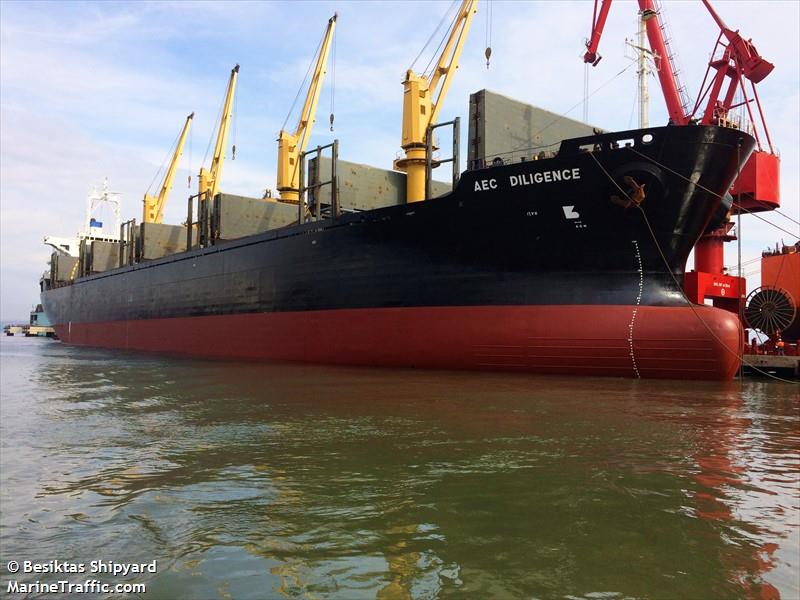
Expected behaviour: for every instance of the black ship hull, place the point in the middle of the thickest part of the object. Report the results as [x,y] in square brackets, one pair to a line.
[545,266]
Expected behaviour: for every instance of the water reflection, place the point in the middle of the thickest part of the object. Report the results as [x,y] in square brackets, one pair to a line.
[248,480]
[721,482]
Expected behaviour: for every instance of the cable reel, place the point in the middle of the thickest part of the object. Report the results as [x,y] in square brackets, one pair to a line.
[770,309]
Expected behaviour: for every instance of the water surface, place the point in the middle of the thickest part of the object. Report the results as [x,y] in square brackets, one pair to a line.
[273,481]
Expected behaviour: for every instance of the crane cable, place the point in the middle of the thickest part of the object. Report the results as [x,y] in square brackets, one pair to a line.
[235,119]
[749,262]
[560,117]
[785,216]
[211,136]
[163,162]
[333,80]
[586,94]
[633,108]
[191,138]
[303,83]
[435,31]
[428,71]
[741,208]
[672,275]
[584,100]
[488,51]
[757,216]
[705,189]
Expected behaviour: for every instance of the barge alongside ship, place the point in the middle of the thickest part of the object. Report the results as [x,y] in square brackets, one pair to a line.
[512,270]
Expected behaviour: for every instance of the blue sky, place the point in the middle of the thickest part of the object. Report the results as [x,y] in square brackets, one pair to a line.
[89,90]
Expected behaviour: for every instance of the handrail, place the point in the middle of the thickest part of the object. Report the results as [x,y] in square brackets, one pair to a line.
[455,159]
[316,185]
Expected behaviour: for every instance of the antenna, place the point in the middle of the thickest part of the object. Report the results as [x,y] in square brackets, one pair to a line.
[94,201]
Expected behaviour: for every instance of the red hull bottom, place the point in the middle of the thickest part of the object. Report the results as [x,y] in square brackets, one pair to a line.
[621,341]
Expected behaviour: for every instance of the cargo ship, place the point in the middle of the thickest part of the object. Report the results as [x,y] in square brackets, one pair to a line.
[567,260]
[531,266]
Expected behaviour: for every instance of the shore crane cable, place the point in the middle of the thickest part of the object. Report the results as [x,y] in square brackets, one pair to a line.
[422,100]
[292,145]
[153,211]
[209,178]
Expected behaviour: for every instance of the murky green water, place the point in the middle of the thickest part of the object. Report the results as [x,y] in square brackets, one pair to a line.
[265,481]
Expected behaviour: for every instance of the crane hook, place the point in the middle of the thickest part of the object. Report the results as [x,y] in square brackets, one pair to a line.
[488,54]
[233,152]
[331,121]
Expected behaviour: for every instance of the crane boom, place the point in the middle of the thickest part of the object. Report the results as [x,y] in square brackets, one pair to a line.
[739,60]
[734,59]
[598,23]
[758,186]
[664,67]
[754,67]
[291,145]
[154,205]
[422,101]
[209,178]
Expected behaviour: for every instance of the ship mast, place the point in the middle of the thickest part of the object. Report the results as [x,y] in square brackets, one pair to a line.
[644,71]
[664,67]
[644,56]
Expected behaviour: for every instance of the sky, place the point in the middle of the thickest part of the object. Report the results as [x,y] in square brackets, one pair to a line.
[91,90]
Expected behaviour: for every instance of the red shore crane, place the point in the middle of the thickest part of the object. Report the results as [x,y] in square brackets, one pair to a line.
[757,188]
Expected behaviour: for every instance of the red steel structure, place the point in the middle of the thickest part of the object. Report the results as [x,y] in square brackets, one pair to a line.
[757,188]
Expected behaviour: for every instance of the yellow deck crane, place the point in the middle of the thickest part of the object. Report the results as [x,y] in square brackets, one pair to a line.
[154,205]
[291,145]
[422,101]
[209,178]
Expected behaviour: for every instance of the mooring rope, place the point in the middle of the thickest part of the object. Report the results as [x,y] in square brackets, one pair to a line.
[739,357]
